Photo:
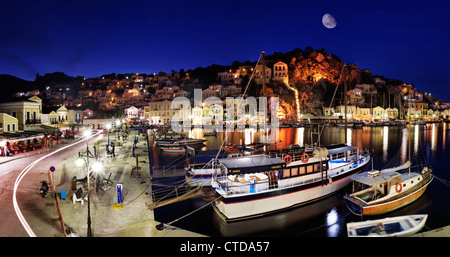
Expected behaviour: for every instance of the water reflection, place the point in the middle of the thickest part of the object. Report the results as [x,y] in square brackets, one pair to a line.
[404,150]
[416,139]
[286,223]
[328,217]
[385,142]
[332,223]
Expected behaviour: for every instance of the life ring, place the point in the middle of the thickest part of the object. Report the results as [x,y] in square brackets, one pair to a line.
[288,159]
[305,157]
[398,187]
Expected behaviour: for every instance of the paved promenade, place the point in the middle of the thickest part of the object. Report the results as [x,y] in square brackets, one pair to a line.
[134,219]
[439,232]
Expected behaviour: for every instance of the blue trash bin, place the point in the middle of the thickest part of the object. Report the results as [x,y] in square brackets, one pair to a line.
[63,194]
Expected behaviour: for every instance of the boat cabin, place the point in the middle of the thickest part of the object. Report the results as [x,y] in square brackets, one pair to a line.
[342,153]
[257,173]
[372,185]
[249,174]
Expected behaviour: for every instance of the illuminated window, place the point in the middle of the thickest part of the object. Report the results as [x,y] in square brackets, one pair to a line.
[294,172]
[286,173]
[302,170]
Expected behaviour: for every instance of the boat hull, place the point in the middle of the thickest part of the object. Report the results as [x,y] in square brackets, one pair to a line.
[173,150]
[390,227]
[259,204]
[361,209]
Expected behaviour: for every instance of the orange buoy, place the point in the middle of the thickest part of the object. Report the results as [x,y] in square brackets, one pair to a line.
[305,157]
[288,159]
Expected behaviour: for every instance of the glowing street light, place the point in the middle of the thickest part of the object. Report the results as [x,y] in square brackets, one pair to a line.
[95,167]
[87,133]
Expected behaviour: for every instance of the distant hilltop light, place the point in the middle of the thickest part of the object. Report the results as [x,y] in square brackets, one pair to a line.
[329,21]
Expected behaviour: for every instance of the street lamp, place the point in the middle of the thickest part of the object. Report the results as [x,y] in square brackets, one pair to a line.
[108,128]
[117,128]
[95,167]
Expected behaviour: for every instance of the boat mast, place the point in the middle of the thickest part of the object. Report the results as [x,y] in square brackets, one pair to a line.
[409,128]
[263,56]
[345,110]
[264,71]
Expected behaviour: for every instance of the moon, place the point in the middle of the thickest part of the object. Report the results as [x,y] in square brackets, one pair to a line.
[329,21]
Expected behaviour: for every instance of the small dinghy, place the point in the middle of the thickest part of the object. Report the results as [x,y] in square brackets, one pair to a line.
[388,227]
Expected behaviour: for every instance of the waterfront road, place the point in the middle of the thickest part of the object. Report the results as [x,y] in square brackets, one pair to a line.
[36,211]
[32,215]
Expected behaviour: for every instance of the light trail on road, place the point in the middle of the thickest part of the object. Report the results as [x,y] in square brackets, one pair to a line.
[19,178]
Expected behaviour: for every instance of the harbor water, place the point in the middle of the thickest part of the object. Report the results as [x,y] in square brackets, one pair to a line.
[390,146]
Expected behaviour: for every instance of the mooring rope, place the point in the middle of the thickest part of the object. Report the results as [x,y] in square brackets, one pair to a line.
[443,181]
[184,216]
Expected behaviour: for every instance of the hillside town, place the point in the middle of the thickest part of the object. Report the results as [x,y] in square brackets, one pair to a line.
[29,118]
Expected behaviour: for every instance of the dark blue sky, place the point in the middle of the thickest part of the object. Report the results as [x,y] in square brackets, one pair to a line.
[406,40]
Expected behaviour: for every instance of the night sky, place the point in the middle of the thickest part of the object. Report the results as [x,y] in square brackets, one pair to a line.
[406,40]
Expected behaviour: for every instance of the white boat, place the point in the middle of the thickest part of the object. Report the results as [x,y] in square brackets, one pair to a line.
[200,171]
[184,142]
[388,227]
[255,185]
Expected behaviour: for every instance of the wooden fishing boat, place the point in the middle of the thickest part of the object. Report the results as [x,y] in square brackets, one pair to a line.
[378,192]
[388,227]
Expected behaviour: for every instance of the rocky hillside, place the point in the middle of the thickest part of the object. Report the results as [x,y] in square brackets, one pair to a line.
[315,74]
[310,66]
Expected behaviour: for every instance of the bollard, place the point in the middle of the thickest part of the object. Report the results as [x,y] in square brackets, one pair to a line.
[74,183]
[119,193]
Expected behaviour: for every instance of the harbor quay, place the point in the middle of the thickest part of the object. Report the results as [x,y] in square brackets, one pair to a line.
[131,219]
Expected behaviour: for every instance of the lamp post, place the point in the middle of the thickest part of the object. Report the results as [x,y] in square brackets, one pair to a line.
[108,127]
[117,128]
[96,167]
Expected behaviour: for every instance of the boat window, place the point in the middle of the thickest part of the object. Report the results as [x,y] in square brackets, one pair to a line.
[302,170]
[309,168]
[286,173]
[294,171]
[317,167]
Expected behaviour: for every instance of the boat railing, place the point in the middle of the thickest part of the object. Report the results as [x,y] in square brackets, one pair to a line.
[251,186]
[296,156]
[190,150]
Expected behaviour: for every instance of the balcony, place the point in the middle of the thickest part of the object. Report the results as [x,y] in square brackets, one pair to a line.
[33,121]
